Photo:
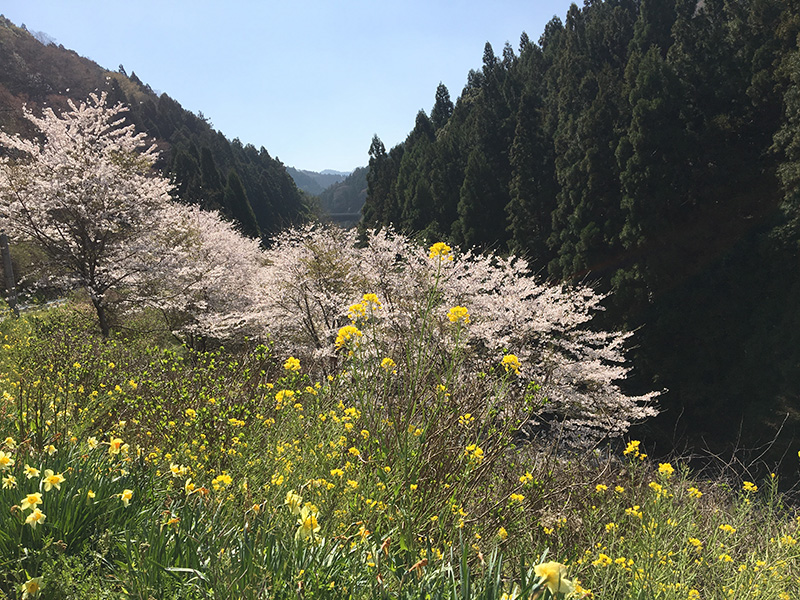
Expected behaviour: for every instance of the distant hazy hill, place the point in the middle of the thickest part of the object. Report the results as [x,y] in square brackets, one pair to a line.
[314,183]
[244,183]
[342,201]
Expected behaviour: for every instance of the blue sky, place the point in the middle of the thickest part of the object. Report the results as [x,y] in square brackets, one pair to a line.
[310,80]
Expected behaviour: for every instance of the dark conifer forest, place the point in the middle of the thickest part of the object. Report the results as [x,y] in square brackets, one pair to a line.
[651,148]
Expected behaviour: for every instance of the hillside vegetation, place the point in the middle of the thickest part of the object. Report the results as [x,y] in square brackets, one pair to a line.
[651,148]
[245,183]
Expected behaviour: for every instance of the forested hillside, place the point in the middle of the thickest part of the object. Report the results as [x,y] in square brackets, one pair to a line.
[246,184]
[342,202]
[652,148]
[312,182]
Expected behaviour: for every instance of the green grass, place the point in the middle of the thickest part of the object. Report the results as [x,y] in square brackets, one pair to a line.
[410,470]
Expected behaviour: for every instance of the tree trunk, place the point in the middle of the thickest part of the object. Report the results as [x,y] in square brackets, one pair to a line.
[102,314]
[8,270]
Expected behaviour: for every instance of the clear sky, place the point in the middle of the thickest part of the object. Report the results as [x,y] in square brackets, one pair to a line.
[310,80]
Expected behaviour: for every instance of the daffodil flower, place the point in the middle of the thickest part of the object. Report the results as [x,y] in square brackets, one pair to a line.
[52,480]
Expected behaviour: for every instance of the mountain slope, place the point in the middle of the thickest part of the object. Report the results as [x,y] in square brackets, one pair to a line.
[203,162]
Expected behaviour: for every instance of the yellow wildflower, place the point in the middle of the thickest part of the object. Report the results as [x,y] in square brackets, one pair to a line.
[356,311]
[114,445]
[52,480]
[603,560]
[346,334]
[294,501]
[552,574]
[292,364]
[9,482]
[632,448]
[6,460]
[441,251]
[749,486]
[32,587]
[31,500]
[35,518]
[458,313]
[308,524]
[31,472]
[474,453]
[126,496]
[510,363]
[466,419]
[665,469]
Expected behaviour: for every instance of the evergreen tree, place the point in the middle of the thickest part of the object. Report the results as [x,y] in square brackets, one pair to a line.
[212,198]
[532,187]
[442,108]
[235,200]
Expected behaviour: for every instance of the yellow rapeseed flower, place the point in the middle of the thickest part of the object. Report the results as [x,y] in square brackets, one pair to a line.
[458,313]
[510,363]
[292,364]
[666,470]
[356,311]
[441,251]
[474,453]
[632,448]
[371,301]
[603,560]
[347,334]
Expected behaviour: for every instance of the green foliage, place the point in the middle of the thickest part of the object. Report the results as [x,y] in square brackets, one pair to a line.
[198,157]
[649,147]
[175,472]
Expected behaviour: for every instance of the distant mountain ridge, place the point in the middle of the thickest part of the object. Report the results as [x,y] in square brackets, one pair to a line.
[313,182]
[245,184]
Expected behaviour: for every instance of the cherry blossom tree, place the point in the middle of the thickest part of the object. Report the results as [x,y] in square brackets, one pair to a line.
[315,275]
[87,195]
[204,276]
